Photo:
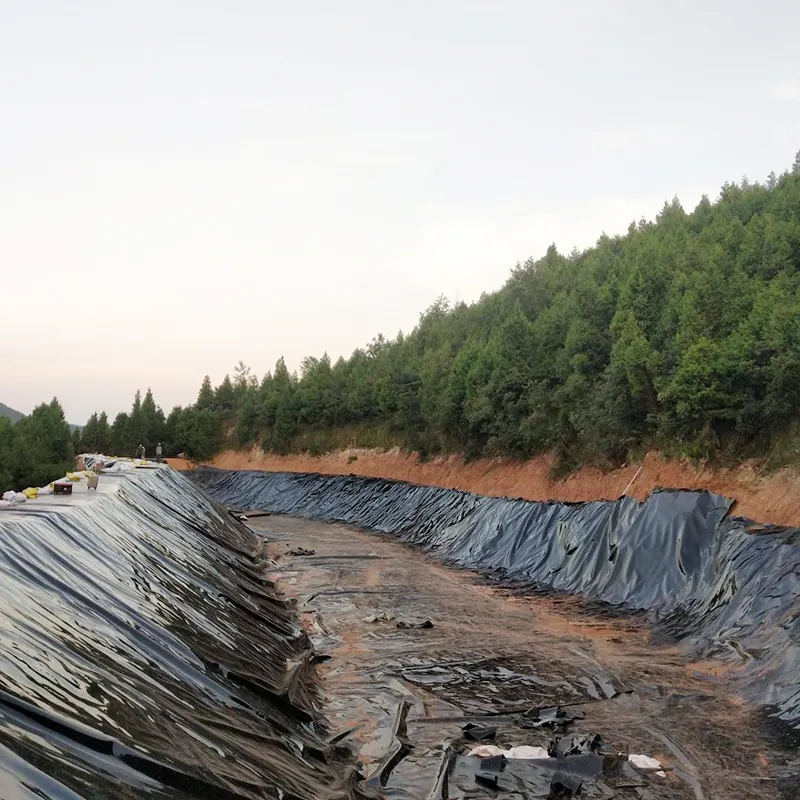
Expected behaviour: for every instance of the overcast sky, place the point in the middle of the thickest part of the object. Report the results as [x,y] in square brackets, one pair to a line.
[186,184]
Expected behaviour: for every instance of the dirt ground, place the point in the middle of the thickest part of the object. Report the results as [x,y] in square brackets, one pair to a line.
[765,498]
[491,658]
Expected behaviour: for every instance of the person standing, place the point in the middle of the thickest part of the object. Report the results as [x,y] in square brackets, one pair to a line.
[158,453]
[140,451]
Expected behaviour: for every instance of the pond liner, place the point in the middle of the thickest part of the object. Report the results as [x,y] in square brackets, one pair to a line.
[724,586]
[143,654]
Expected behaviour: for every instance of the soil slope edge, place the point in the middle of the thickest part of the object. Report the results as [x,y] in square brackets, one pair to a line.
[769,498]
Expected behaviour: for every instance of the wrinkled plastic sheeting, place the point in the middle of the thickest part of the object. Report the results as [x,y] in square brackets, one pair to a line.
[705,577]
[142,654]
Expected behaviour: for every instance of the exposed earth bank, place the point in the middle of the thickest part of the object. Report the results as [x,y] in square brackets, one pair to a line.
[772,498]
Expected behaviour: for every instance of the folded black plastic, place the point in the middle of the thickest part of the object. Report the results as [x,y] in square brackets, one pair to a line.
[707,578]
[142,654]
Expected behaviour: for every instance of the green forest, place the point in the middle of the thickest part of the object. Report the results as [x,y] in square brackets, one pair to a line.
[36,450]
[683,334]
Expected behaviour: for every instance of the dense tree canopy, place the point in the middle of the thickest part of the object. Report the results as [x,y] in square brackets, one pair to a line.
[37,449]
[683,333]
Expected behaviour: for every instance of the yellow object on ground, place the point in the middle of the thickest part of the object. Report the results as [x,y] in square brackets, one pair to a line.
[30,493]
[73,476]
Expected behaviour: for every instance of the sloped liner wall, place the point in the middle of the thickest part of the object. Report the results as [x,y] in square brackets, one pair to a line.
[708,579]
[141,654]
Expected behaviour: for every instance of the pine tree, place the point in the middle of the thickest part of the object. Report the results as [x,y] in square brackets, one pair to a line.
[225,395]
[205,397]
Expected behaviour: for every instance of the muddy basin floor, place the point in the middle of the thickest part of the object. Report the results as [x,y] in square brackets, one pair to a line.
[401,696]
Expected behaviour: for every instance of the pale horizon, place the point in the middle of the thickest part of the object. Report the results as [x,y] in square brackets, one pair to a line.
[187,185]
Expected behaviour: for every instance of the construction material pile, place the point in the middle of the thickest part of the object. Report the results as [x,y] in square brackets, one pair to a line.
[89,467]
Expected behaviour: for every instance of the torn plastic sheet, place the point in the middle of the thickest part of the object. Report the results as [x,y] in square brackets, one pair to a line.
[110,465]
[142,653]
[703,576]
[552,717]
[647,763]
[521,751]
[527,771]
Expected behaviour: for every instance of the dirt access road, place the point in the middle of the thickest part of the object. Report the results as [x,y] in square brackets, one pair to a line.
[493,659]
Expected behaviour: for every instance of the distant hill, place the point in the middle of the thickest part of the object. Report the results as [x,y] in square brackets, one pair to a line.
[11,413]
[16,416]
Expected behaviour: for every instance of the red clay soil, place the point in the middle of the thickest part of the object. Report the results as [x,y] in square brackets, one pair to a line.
[773,498]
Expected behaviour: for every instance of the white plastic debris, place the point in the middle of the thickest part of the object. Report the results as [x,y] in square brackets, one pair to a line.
[383,616]
[15,497]
[486,751]
[645,762]
[525,751]
[522,752]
